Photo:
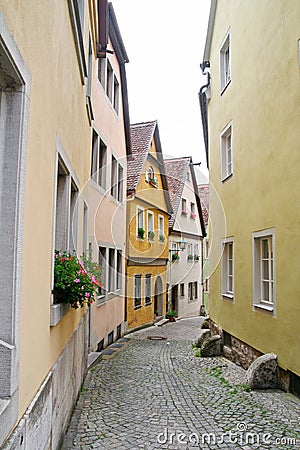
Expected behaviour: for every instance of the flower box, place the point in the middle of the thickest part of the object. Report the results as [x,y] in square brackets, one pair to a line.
[153,182]
[184,212]
[141,233]
[151,235]
[175,256]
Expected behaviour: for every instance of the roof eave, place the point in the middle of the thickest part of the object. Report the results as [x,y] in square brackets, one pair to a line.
[210,29]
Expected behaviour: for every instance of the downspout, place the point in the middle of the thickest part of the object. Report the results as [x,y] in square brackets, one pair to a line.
[203,107]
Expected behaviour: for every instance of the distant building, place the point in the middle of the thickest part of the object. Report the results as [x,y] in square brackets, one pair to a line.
[186,232]
[203,190]
[253,105]
[148,210]
[110,147]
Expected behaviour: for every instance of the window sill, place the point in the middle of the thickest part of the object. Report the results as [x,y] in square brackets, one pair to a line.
[98,187]
[225,87]
[268,308]
[137,307]
[227,295]
[57,312]
[227,177]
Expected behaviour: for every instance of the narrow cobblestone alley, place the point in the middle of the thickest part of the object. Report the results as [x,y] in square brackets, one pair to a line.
[156,394]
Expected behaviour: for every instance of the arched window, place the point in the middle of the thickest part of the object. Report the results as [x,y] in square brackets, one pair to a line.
[150,174]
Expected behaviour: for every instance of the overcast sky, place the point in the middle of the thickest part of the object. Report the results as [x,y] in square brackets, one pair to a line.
[164,40]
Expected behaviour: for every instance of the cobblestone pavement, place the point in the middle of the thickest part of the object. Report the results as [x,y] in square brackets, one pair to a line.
[156,394]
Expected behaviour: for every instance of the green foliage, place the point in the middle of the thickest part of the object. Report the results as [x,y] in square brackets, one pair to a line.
[141,232]
[198,352]
[175,256]
[161,238]
[151,235]
[171,313]
[75,280]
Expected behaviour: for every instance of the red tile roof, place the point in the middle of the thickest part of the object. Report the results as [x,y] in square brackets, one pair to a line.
[141,137]
[204,198]
[176,172]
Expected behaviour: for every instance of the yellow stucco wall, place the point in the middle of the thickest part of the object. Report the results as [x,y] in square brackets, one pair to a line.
[42,32]
[263,102]
[145,314]
[150,199]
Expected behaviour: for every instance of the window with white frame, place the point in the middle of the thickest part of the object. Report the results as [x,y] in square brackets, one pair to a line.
[116,188]
[102,70]
[193,211]
[109,80]
[103,265]
[190,256]
[183,207]
[116,94]
[226,152]
[196,252]
[89,83]
[182,290]
[140,229]
[84,229]
[264,269]
[148,288]
[195,290]
[225,63]
[99,160]
[190,291]
[137,291]
[66,209]
[111,270]
[228,269]
[119,270]
[161,230]
[76,10]
[150,225]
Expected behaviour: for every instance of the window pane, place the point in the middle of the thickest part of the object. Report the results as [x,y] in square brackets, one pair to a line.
[265,291]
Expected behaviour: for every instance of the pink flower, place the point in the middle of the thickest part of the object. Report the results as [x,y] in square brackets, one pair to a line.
[77,280]
[87,294]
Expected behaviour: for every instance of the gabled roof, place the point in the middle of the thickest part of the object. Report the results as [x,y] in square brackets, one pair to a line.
[176,172]
[141,136]
[204,199]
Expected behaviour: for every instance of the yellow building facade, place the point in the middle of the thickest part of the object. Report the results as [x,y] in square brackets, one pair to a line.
[253,103]
[47,54]
[148,208]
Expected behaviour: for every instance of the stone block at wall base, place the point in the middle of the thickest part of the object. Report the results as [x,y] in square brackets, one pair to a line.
[47,417]
[263,372]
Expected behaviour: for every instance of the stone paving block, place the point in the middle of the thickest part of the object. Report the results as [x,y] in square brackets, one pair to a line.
[130,405]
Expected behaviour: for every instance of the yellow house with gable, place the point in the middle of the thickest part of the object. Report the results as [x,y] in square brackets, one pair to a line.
[148,209]
[252,98]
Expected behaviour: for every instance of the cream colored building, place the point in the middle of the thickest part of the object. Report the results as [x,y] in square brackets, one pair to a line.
[48,59]
[186,232]
[253,101]
[107,187]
